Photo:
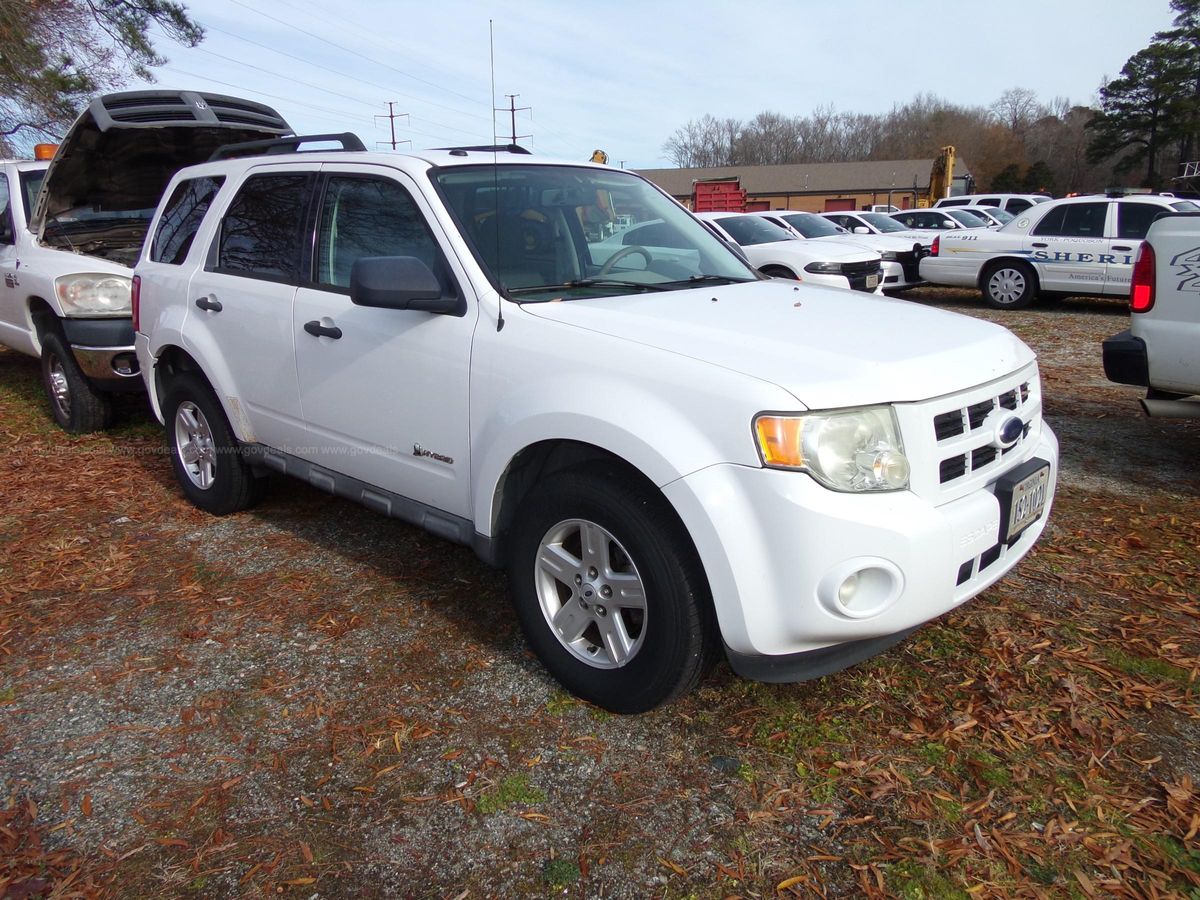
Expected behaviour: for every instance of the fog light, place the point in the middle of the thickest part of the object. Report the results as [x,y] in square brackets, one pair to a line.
[860,588]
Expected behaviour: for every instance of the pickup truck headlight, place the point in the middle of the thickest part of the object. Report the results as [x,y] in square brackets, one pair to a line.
[854,450]
[94,294]
[824,268]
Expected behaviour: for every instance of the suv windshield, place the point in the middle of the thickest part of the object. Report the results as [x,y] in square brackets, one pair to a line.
[560,232]
[812,226]
[882,223]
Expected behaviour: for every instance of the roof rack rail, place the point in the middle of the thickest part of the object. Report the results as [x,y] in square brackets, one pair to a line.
[489,148]
[349,141]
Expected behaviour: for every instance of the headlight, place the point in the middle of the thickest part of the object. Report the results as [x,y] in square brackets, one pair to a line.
[93,294]
[854,450]
[890,255]
[824,268]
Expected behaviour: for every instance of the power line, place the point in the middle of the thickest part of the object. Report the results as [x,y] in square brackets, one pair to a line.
[357,53]
[392,116]
[514,109]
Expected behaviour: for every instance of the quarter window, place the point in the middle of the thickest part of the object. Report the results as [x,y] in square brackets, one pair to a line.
[181,219]
[1074,220]
[7,231]
[261,234]
[1017,205]
[362,217]
[1133,219]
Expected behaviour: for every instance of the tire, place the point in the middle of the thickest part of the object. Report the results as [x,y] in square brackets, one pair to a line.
[205,456]
[626,657]
[76,406]
[1009,285]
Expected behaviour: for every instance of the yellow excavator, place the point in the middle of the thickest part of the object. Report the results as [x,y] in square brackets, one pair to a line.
[941,175]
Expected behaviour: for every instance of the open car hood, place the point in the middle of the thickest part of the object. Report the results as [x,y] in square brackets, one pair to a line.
[123,149]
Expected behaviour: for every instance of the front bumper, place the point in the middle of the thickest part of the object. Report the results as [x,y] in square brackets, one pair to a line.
[776,544]
[104,350]
[1125,360]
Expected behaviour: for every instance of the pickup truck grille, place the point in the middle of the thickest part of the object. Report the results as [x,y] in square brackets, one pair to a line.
[957,435]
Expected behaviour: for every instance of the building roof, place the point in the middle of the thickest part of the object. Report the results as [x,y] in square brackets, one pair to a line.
[810,178]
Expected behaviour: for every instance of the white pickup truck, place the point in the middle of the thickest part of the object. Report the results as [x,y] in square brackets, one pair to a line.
[71,230]
[1160,350]
[671,454]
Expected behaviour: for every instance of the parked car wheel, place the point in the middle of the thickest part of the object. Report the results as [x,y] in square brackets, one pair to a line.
[1009,285]
[76,405]
[205,455]
[610,592]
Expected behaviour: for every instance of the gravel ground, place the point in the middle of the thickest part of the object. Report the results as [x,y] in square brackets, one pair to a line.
[309,699]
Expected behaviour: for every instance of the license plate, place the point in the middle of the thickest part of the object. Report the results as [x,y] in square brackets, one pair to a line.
[872,281]
[1027,501]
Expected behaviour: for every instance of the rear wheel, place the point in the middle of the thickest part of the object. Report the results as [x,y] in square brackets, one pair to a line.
[205,455]
[610,592]
[75,404]
[1009,285]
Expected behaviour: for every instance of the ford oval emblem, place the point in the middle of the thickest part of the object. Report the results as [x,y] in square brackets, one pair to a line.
[1010,431]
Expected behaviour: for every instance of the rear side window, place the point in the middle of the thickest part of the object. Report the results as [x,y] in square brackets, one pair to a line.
[1074,220]
[7,233]
[1016,205]
[1133,219]
[261,234]
[958,201]
[181,219]
[364,216]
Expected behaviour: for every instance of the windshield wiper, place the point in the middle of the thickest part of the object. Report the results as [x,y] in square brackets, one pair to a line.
[693,280]
[589,282]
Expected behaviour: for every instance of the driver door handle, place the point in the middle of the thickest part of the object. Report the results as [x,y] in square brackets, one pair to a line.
[209,303]
[1040,245]
[1121,247]
[316,329]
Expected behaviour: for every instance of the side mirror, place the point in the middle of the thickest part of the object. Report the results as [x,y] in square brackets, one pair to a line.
[861,229]
[400,282]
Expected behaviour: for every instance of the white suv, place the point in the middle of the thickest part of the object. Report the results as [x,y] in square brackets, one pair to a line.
[671,454]
[1011,203]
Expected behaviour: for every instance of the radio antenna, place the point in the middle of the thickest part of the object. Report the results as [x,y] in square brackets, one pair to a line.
[496,180]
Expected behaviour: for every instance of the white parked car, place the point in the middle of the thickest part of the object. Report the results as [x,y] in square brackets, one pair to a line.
[901,258]
[67,259]
[670,466]
[939,221]
[1160,350]
[1076,246]
[775,251]
[859,223]
[1013,203]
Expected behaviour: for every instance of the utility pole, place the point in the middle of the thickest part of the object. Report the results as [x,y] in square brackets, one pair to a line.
[392,116]
[512,109]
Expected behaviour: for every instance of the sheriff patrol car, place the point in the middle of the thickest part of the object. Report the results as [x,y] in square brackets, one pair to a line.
[1077,246]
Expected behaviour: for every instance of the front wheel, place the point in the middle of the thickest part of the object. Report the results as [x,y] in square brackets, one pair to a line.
[610,592]
[205,455]
[1009,285]
[77,407]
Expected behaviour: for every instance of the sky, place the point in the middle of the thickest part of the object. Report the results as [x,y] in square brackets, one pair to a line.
[622,76]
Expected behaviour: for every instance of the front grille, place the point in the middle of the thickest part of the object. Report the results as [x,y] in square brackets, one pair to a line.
[860,269]
[969,447]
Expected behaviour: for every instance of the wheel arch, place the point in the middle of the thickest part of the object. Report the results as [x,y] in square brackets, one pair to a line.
[988,267]
[171,358]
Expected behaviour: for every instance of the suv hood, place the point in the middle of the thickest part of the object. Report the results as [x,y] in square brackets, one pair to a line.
[827,347]
[119,155]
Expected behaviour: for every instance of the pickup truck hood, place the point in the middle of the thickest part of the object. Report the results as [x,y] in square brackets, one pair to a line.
[123,149]
[827,347]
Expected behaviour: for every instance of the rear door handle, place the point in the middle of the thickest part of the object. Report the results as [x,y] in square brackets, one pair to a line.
[210,303]
[316,329]
[1121,247]
[1040,246]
